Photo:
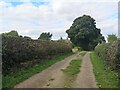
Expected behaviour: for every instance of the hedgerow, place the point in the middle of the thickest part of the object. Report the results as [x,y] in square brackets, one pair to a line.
[19,52]
[118,60]
[110,53]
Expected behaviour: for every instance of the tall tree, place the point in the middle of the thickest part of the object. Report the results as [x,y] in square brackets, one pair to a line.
[45,36]
[111,38]
[84,33]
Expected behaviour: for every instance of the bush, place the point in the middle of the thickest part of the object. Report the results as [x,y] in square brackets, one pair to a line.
[118,60]
[19,52]
[108,52]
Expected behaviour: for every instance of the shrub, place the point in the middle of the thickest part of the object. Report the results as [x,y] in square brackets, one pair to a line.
[18,52]
[107,52]
[118,60]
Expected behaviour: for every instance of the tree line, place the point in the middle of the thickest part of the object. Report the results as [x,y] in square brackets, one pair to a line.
[43,36]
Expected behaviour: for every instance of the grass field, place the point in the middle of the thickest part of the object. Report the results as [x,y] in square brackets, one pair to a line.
[12,79]
[104,76]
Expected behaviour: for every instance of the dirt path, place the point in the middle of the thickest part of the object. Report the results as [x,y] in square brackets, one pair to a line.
[85,78]
[51,77]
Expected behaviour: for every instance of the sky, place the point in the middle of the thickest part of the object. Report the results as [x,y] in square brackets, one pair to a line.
[32,17]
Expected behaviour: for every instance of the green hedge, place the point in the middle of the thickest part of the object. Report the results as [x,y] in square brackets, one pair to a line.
[110,53]
[19,52]
[118,57]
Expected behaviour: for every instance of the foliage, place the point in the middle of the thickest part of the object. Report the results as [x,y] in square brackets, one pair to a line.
[107,52]
[27,37]
[84,33]
[118,60]
[112,38]
[18,52]
[45,36]
[12,33]
[110,54]
[104,76]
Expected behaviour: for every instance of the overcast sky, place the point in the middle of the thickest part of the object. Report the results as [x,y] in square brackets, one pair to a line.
[32,17]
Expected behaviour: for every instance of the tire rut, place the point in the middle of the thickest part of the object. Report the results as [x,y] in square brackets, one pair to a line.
[86,78]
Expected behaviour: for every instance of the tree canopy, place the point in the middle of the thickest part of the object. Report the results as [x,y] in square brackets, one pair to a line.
[84,33]
[45,36]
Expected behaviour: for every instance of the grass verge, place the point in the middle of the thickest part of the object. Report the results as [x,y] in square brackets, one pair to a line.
[104,76]
[74,67]
[11,80]
[71,72]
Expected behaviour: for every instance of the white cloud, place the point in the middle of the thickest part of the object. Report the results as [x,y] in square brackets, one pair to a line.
[56,17]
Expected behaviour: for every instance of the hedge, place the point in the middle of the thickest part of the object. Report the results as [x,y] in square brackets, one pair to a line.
[118,58]
[108,52]
[18,52]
